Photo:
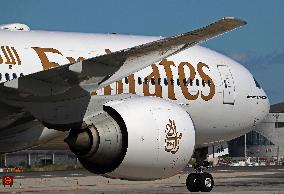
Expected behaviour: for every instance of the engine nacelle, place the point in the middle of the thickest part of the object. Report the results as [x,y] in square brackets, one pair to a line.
[141,138]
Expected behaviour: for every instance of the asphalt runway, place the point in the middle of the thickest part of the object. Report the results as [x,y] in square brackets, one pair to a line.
[260,180]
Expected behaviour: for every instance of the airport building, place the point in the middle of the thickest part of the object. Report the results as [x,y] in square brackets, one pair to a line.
[54,152]
[266,141]
[38,158]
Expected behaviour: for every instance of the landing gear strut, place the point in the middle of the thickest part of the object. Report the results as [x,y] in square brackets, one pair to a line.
[200,180]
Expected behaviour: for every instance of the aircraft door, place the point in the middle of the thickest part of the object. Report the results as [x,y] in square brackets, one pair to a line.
[227,84]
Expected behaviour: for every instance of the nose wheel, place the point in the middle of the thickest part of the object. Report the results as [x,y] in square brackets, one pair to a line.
[200,180]
[192,182]
[196,182]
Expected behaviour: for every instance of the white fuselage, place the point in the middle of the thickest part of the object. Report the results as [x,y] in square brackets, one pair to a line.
[220,94]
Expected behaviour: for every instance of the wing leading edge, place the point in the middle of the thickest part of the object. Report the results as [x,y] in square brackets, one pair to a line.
[97,72]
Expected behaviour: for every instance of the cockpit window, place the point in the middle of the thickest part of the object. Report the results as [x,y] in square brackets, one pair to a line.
[256,83]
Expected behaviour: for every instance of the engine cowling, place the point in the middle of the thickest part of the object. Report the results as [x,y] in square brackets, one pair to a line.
[141,138]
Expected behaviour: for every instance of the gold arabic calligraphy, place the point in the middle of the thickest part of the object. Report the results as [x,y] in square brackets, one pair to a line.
[173,137]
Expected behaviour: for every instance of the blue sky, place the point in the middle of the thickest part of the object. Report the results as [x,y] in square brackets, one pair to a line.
[259,45]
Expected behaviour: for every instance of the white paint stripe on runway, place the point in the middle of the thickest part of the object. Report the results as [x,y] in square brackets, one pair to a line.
[224,170]
[76,174]
[19,176]
[46,175]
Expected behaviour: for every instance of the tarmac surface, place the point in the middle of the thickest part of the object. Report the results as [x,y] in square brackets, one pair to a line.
[233,180]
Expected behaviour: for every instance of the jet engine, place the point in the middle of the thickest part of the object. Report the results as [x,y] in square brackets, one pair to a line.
[140,138]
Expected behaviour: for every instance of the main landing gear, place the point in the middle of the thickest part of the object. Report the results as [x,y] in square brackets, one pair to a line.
[200,180]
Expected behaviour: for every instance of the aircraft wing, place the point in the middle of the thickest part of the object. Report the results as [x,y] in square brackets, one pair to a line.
[97,72]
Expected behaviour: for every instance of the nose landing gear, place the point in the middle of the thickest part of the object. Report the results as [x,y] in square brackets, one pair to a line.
[200,180]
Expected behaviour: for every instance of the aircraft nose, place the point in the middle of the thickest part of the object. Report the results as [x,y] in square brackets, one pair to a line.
[263,106]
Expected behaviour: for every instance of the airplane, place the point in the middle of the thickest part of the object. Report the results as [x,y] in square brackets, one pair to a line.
[133,107]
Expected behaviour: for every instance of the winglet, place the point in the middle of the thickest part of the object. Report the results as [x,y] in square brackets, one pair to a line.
[235,19]
[235,22]
[210,31]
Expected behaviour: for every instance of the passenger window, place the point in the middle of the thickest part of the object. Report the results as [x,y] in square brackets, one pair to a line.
[209,82]
[126,80]
[165,81]
[146,80]
[184,81]
[0,76]
[172,82]
[7,76]
[159,81]
[139,80]
[15,76]
[178,82]
[203,83]
[191,82]
[153,81]
[197,82]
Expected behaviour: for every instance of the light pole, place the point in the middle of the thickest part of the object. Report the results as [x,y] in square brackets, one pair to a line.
[245,147]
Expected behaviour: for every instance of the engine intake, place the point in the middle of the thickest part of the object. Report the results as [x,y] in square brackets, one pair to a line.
[140,138]
[101,147]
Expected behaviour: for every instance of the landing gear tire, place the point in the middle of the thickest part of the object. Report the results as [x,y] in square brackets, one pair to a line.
[200,182]
[192,182]
[206,182]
